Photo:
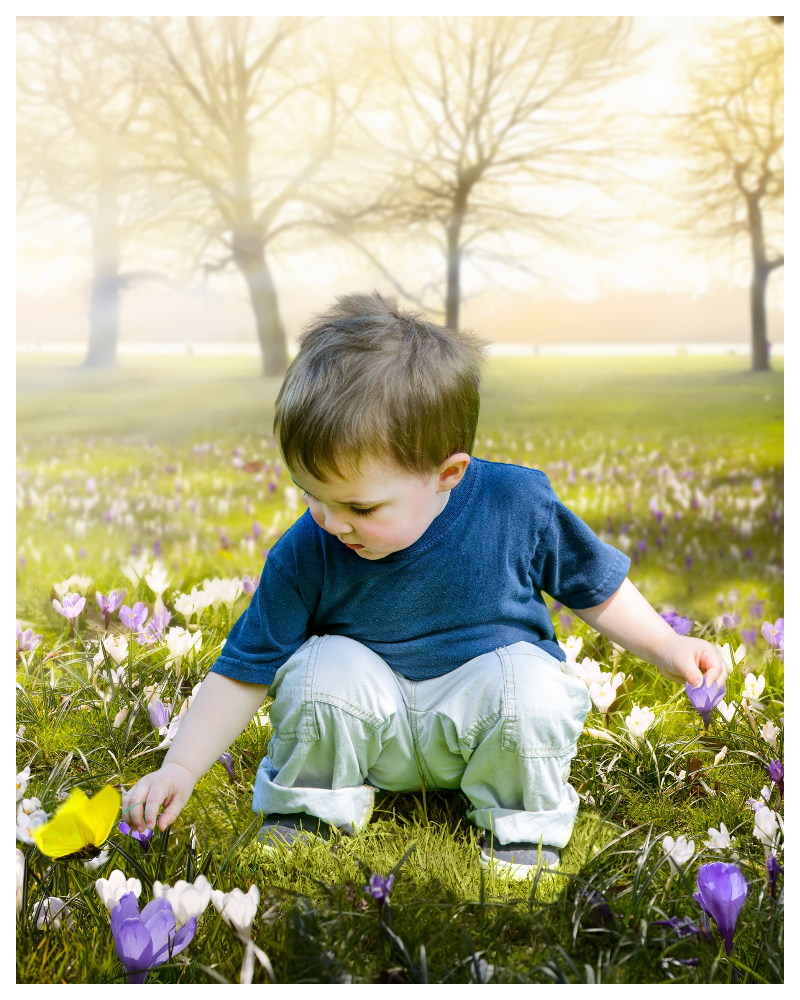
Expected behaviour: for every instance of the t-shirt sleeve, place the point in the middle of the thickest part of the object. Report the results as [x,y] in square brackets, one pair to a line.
[572,565]
[272,628]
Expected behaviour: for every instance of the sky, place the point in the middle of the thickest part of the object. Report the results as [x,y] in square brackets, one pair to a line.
[53,266]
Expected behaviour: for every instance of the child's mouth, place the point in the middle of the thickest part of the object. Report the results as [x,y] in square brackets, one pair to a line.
[353,546]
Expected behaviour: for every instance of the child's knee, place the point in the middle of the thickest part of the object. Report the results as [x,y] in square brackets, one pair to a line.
[546,706]
[340,673]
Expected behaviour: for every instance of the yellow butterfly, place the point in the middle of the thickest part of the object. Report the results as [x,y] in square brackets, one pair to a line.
[80,826]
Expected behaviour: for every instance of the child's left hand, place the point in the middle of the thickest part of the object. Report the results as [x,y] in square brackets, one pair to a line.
[682,658]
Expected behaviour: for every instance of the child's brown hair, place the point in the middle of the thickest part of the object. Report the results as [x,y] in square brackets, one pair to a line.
[372,381]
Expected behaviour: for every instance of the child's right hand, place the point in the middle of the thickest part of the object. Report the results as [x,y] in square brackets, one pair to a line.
[170,786]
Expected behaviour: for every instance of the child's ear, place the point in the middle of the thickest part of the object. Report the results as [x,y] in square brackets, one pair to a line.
[452,470]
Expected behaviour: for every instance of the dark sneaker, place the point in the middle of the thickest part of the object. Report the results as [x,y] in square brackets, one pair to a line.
[517,860]
[284,831]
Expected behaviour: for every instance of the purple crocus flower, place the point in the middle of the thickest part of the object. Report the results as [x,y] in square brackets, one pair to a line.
[134,618]
[775,771]
[154,631]
[596,901]
[249,585]
[256,530]
[159,713]
[226,760]
[682,926]
[71,606]
[721,892]
[143,838]
[683,626]
[773,634]
[26,641]
[756,609]
[773,871]
[379,887]
[147,939]
[750,636]
[705,698]
[731,620]
[157,548]
[108,605]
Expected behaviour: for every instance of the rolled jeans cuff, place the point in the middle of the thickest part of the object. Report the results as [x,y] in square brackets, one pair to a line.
[340,807]
[511,826]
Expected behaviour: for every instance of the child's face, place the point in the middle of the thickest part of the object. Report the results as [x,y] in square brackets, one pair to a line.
[381,509]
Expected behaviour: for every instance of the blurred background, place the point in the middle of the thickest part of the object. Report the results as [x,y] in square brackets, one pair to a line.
[598,198]
[207,183]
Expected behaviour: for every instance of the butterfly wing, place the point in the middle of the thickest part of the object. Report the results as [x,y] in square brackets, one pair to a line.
[66,833]
[100,813]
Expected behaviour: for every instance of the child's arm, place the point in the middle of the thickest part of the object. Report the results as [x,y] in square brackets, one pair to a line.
[627,619]
[219,713]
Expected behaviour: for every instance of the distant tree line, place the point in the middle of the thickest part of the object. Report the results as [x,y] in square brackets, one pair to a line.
[228,140]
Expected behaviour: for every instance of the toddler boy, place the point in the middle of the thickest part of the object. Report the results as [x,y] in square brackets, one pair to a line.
[399,623]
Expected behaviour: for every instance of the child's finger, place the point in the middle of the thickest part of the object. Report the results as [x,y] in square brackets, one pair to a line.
[155,797]
[133,806]
[171,812]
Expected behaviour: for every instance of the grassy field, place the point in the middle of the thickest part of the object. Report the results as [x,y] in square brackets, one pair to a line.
[678,461]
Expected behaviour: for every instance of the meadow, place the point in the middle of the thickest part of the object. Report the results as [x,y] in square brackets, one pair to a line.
[162,478]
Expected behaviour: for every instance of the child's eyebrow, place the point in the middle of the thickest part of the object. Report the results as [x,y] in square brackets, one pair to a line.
[354,503]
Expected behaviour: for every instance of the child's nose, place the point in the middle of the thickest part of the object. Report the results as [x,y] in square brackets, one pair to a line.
[336,524]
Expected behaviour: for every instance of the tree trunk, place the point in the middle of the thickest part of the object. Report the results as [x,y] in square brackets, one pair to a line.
[106,283]
[453,299]
[250,257]
[758,284]
[758,317]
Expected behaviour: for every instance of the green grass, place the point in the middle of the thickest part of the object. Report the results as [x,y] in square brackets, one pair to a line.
[611,434]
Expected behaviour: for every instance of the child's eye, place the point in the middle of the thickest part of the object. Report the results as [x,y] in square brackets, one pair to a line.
[362,511]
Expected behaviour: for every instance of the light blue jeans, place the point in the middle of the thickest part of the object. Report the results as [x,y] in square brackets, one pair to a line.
[503,728]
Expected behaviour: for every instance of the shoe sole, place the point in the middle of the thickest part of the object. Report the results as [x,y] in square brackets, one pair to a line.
[519,872]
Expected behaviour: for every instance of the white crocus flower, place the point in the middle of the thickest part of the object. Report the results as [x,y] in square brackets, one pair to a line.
[20,877]
[81,583]
[213,589]
[170,732]
[753,686]
[135,569]
[238,909]
[731,660]
[62,588]
[186,898]
[720,756]
[679,852]
[112,889]
[603,695]
[50,912]
[182,643]
[769,733]
[230,591]
[29,815]
[640,720]
[572,647]
[766,827]
[201,599]
[120,717]
[23,777]
[117,648]
[588,671]
[184,605]
[720,840]
[726,711]
[157,581]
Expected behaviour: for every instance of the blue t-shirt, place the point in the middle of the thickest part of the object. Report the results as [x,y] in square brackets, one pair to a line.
[470,584]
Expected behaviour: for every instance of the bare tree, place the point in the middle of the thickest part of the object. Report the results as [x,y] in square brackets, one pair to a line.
[250,112]
[494,128]
[80,108]
[732,135]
